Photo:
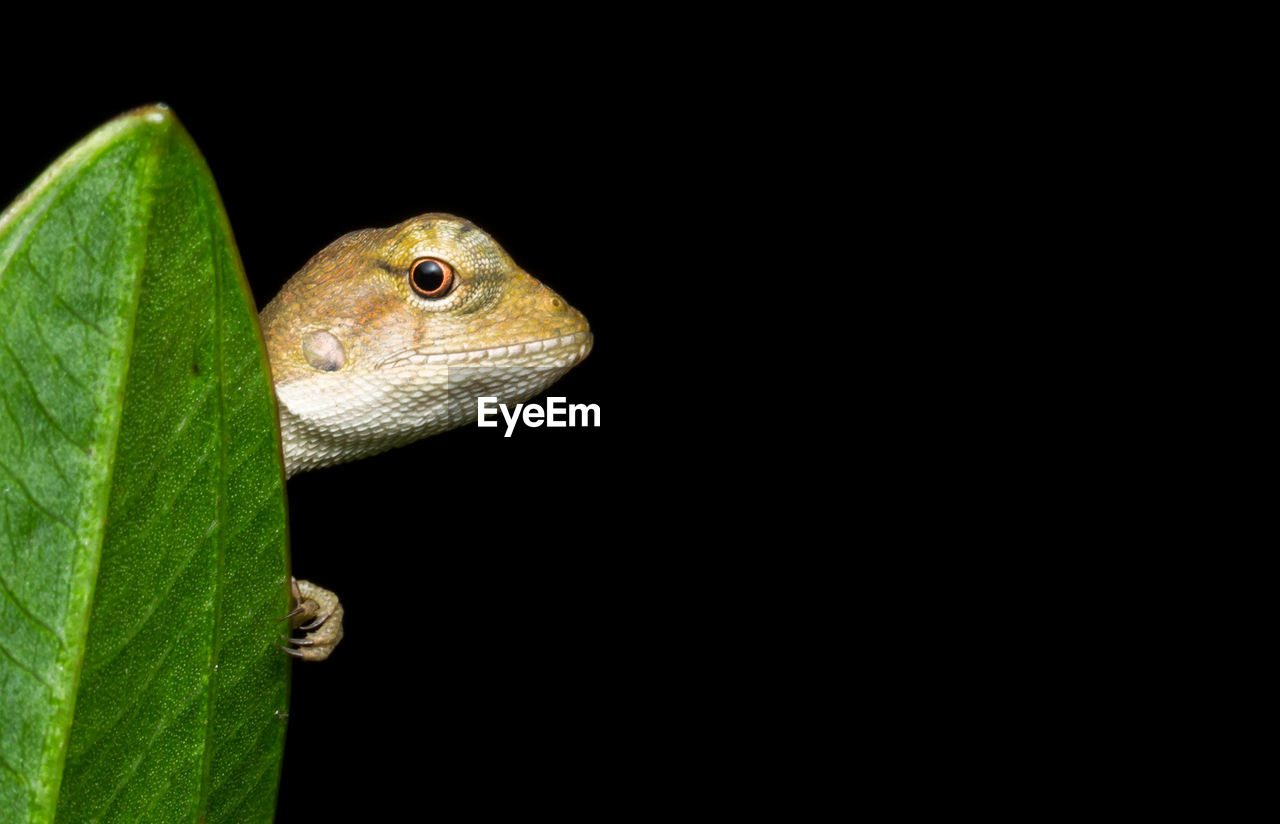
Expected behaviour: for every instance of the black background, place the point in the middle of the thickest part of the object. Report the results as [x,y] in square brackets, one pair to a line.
[512,605]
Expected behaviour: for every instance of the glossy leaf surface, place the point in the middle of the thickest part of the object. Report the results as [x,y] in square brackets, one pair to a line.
[143,555]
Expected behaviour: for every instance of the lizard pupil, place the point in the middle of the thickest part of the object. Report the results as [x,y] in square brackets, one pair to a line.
[431,277]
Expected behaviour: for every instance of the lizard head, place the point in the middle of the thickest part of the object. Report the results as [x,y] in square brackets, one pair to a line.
[389,335]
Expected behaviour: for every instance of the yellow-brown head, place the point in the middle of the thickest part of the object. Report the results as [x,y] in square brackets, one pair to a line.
[389,335]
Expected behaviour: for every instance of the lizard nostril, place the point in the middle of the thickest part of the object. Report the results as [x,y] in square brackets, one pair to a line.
[556,303]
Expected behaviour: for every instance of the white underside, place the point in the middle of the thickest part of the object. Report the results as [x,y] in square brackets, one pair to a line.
[332,417]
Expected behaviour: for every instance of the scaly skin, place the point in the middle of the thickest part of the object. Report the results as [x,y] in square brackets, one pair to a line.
[362,362]
[408,367]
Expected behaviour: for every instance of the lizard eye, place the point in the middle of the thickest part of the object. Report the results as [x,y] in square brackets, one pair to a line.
[431,277]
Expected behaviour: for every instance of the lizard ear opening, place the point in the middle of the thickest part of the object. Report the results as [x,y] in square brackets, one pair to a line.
[324,351]
[431,277]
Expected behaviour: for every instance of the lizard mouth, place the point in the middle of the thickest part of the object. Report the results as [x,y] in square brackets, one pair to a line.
[562,350]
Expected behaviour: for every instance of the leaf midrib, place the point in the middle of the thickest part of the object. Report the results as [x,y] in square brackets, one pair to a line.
[206,766]
[87,559]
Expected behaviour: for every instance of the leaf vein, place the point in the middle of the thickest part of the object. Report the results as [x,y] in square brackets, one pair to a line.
[17,425]
[26,492]
[35,327]
[27,669]
[35,397]
[252,788]
[30,617]
[124,505]
[24,779]
[219,330]
[151,608]
[81,318]
[133,768]
[123,708]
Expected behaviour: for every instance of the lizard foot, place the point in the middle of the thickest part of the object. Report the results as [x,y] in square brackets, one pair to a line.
[319,614]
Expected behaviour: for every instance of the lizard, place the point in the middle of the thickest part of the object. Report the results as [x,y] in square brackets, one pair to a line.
[390,335]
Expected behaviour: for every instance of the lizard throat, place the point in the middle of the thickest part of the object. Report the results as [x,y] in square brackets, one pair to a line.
[332,417]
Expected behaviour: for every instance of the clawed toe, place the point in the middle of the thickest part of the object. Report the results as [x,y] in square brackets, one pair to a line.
[298,610]
[291,651]
[316,624]
[322,613]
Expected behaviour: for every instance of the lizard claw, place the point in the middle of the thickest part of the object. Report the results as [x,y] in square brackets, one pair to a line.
[295,653]
[322,612]
[317,623]
[295,612]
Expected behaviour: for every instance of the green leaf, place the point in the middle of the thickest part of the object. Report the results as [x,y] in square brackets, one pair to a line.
[143,553]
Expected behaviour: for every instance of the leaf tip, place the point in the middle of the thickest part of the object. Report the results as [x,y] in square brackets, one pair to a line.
[157,113]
